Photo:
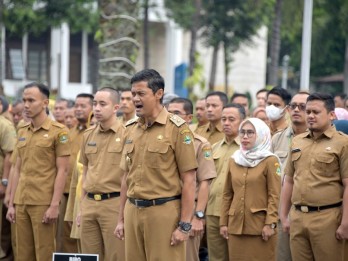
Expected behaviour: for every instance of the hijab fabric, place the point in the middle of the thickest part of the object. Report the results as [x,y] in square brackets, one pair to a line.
[260,151]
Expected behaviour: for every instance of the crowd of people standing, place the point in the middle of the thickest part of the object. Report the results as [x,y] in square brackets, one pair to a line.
[131,175]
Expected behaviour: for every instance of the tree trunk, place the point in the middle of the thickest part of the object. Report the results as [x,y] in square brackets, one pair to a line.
[194,29]
[119,48]
[213,68]
[227,68]
[146,34]
[275,45]
[345,84]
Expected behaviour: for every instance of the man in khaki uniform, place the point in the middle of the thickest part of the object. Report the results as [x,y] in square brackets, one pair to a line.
[277,101]
[59,109]
[17,111]
[7,144]
[38,178]
[281,143]
[201,115]
[101,179]
[232,116]
[159,182]
[214,103]
[127,107]
[66,244]
[316,184]
[205,173]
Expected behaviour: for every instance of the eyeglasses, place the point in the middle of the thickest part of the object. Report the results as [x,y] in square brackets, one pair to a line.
[301,106]
[249,133]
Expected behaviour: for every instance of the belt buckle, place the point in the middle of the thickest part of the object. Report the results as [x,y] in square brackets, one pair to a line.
[97,197]
[136,203]
[304,209]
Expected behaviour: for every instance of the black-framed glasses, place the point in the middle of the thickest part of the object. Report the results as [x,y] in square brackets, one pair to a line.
[249,133]
[301,106]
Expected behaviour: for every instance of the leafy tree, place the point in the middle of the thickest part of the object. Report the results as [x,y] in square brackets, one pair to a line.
[232,23]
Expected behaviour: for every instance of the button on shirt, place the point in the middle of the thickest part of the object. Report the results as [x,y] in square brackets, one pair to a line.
[38,150]
[101,152]
[222,152]
[154,156]
[318,167]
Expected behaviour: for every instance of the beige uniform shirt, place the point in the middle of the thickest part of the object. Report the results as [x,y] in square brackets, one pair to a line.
[38,151]
[7,140]
[251,197]
[76,136]
[206,167]
[211,133]
[155,156]
[222,152]
[281,144]
[317,167]
[101,153]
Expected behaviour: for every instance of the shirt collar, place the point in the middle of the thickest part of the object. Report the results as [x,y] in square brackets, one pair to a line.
[45,125]
[161,118]
[328,133]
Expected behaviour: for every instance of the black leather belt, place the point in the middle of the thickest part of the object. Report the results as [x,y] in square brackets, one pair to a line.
[99,197]
[306,209]
[144,203]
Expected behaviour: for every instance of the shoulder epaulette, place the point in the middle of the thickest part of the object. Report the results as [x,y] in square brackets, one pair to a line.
[130,122]
[177,120]
[57,124]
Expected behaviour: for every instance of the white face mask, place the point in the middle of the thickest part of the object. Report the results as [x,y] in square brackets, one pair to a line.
[274,113]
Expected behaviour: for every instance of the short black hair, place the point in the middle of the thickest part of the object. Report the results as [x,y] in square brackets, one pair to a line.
[237,94]
[240,108]
[16,102]
[342,95]
[126,90]
[282,93]
[62,100]
[86,95]
[328,100]
[222,96]
[188,106]
[154,80]
[42,88]
[114,95]
[262,90]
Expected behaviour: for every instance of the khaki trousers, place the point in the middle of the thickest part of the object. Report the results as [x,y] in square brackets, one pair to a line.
[283,244]
[192,248]
[65,244]
[217,245]
[35,241]
[312,235]
[148,232]
[98,222]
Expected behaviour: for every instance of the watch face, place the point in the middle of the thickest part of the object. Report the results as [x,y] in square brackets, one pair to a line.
[199,214]
[185,226]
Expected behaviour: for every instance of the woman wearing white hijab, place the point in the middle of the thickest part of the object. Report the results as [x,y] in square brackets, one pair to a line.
[250,202]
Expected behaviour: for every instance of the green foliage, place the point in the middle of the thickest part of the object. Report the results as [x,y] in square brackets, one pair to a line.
[181,11]
[329,33]
[197,78]
[30,16]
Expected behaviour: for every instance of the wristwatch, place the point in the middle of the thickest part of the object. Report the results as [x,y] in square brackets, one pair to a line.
[185,227]
[4,182]
[199,214]
[273,225]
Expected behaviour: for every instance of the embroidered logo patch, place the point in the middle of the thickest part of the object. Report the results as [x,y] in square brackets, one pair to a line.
[187,140]
[278,170]
[207,153]
[63,137]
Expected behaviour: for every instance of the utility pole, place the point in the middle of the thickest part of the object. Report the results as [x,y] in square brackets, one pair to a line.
[306,45]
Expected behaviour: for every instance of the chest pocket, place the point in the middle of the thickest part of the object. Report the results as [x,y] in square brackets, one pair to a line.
[114,152]
[91,154]
[325,165]
[282,155]
[157,155]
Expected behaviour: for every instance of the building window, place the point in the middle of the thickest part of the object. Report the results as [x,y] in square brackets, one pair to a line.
[14,57]
[38,48]
[75,56]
